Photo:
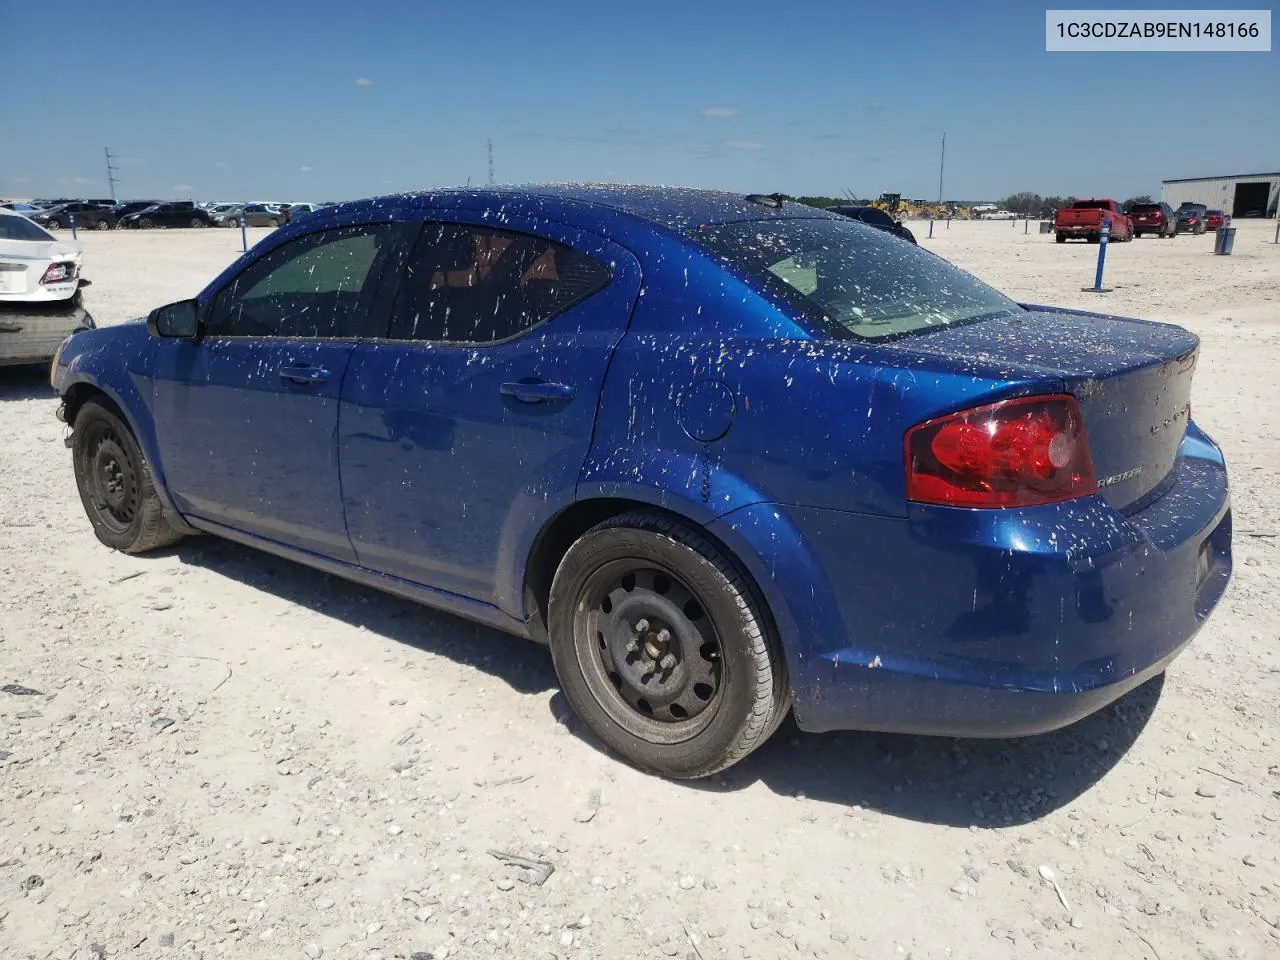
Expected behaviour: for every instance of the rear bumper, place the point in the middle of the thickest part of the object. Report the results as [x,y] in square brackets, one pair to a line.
[31,332]
[996,623]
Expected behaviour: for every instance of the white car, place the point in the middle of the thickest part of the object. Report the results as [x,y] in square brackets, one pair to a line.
[36,266]
[39,286]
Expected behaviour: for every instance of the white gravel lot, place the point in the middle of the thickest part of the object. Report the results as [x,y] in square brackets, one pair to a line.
[232,756]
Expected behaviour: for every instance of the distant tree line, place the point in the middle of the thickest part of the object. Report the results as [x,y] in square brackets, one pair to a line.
[1034,205]
[1024,204]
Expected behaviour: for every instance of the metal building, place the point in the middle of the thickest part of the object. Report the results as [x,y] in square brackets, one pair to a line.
[1244,195]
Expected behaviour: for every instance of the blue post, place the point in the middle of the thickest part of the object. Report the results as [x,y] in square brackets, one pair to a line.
[244,239]
[1102,256]
[73,226]
[930,229]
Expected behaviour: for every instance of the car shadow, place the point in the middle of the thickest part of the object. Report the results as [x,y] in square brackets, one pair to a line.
[953,782]
[26,382]
[521,664]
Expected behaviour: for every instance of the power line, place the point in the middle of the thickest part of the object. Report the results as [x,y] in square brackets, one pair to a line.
[111,174]
[491,160]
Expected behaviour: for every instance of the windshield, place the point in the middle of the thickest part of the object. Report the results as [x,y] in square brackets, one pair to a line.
[853,279]
[20,228]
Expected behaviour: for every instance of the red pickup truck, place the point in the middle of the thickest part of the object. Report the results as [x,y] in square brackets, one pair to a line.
[1084,219]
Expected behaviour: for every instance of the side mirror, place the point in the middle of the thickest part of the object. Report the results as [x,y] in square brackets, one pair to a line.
[174,320]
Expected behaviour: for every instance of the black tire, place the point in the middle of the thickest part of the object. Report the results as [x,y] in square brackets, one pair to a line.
[102,225]
[701,684]
[146,223]
[196,223]
[53,224]
[274,222]
[115,483]
[1061,238]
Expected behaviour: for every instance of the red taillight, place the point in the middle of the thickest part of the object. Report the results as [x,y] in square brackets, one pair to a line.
[1016,453]
[59,272]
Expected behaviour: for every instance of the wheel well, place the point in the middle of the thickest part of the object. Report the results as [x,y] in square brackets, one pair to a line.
[76,396]
[560,533]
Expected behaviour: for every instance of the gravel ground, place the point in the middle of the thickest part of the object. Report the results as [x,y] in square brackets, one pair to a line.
[233,756]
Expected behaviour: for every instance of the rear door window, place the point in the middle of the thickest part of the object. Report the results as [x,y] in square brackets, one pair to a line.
[470,284]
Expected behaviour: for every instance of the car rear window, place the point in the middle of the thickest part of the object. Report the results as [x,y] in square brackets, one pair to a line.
[852,279]
[1091,205]
[1146,208]
[20,228]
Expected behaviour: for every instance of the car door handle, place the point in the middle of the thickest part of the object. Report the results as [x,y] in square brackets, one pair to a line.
[301,374]
[538,391]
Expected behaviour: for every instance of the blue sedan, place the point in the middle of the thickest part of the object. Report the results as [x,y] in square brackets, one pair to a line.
[727,456]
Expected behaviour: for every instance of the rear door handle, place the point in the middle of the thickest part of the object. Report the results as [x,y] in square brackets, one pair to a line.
[301,374]
[539,391]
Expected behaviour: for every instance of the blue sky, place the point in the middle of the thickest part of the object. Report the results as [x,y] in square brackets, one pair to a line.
[322,100]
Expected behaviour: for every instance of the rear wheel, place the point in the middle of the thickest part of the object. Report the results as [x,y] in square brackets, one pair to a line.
[102,225]
[146,223]
[274,222]
[661,648]
[115,483]
[1061,238]
[53,224]
[196,222]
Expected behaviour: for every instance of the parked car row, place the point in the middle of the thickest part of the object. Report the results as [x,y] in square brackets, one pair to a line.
[1084,219]
[147,214]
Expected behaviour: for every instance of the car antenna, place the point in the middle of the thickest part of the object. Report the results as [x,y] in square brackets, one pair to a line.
[774,200]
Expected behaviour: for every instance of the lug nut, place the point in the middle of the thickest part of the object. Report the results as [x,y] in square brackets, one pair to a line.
[668,661]
[633,645]
[664,635]
[642,626]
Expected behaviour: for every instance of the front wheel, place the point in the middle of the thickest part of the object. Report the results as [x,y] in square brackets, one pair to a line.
[146,223]
[115,483]
[53,224]
[196,223]
[662,650]
[102,225]
[274,222]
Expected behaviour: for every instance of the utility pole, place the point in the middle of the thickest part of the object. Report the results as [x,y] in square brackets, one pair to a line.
[490,160]
[111,174]
[942,165]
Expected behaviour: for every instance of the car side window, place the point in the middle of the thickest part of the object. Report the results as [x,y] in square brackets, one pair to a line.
[317,285]
[470,284]
[878,217]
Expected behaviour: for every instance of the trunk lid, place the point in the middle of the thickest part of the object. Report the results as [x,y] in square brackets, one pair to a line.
[1132,379]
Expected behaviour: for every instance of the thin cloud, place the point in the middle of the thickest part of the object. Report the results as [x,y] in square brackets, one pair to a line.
[20,179]
[363,82]
[719,111]
[182,187]
[742,145]
[304,168]
[77,181]
[221,164]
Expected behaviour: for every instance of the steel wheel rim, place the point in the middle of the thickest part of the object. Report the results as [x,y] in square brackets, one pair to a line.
[649,651]
[113,480]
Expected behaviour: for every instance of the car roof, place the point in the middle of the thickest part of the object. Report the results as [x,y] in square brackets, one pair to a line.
[677,208]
